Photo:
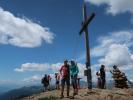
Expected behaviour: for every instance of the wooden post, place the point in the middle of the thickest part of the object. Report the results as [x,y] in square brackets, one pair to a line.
[84,28]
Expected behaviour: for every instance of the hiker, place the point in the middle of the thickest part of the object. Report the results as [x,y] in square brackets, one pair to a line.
[57,78]
[45,82]
[49,81]
[103,76]
[98,79]
[65,74]
[74,73]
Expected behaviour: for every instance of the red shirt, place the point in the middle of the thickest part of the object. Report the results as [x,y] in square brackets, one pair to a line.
[64,71]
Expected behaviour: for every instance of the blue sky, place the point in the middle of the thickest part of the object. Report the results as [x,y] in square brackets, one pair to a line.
[37,35]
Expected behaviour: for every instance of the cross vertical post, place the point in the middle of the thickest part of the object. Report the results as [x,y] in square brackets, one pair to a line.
[84,29]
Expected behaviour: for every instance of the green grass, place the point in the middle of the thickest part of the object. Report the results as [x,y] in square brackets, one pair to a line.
[49,98]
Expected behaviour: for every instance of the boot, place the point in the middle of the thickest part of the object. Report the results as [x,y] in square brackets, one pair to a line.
[61,96]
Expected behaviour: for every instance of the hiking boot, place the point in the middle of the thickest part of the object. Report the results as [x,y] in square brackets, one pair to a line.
[75,93]
[72,97]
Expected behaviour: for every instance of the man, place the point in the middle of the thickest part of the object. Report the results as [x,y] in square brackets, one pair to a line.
[74,73]
[103,76]
[65,74]
[45,82]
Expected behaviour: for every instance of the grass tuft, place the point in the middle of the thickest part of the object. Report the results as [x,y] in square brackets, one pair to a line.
[49,98]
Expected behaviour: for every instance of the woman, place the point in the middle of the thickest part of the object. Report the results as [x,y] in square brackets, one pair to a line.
[74,73]
[57,77]
[98,80]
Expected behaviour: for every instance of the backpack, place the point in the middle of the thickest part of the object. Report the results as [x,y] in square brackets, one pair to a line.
[43,81]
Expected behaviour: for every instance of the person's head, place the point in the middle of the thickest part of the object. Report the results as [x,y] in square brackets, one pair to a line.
[56,73]
[45,75]
[102,66]
[72,62]
[97,73]
[65,62]
[115,67]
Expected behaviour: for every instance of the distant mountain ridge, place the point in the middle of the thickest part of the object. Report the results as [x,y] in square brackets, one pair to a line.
[4,89]
[27,91]
[24,91]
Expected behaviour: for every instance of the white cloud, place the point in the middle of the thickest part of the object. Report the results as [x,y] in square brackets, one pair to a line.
[98,2]
[46,67]
[81,57]
[33,67]
[117,55]
[104,42]
[114,49]
[22,32]
[56,67]
[34,78]
[115,6]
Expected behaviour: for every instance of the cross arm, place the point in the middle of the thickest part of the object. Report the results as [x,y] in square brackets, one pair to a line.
[87,22]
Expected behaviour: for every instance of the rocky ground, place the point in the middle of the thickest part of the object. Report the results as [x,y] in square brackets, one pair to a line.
[84,94]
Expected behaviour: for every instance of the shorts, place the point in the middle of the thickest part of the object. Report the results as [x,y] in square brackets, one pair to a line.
[65,80]
[57,82]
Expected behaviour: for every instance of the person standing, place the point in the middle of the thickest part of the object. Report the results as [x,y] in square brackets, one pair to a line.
[74,73]
[103,77]
[98,79]
[57,77]
[49,81]
[44,81]
[65,74]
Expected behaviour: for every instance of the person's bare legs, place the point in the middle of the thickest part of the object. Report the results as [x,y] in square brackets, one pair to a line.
[68,87]
[58,87]
[74,82]
[62,88]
